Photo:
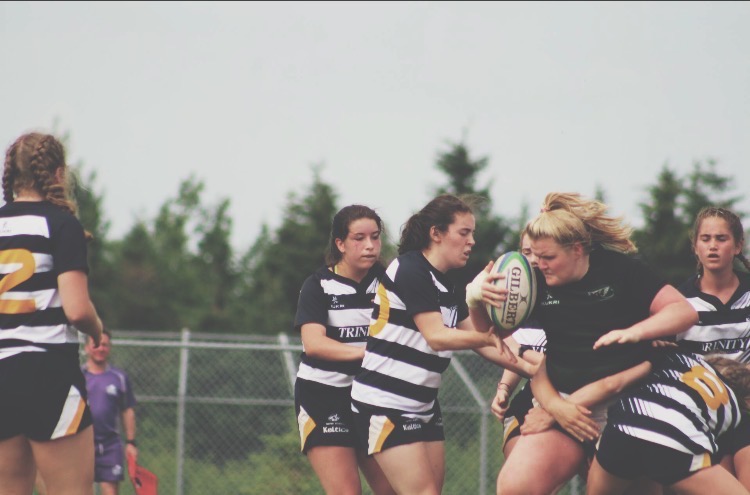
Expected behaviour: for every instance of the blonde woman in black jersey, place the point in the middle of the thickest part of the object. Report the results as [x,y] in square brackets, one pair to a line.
[591,295]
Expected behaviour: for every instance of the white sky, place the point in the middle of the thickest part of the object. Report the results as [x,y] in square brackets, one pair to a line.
[247,96]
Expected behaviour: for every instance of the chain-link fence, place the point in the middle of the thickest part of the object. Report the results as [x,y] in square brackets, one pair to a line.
[215,415]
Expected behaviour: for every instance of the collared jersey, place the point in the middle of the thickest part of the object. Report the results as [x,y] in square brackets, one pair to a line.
[722,329]
[615,293]
[400,370]
[109,394]
[343,307]
[38,242]
[682,404]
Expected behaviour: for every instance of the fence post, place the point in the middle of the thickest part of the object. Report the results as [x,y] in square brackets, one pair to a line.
[181,394]
[291,372]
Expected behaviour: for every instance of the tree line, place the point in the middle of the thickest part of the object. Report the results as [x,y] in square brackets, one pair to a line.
[179,269]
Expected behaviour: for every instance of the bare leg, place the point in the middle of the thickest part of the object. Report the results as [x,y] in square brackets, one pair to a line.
[336,468]
[374,475]
[66,464]
[741,464]
[109,487]
[17,470]
[540,464]
[600,482]
[714,480]
[415,468]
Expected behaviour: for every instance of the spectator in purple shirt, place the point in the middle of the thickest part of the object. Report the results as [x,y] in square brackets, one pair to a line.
[110,396]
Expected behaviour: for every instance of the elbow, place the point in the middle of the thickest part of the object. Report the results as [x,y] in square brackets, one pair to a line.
[436,345]
[612,386]
[78,318]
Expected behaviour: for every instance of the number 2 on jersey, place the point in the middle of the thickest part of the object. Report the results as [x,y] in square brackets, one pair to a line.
[25,259]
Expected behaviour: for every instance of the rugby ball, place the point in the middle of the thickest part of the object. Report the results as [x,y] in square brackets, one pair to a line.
[521,284]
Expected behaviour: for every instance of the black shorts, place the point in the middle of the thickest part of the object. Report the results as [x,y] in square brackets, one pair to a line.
[324,415]
[630,457]
[43,396]
[519,407]
[379,429]
[737,439]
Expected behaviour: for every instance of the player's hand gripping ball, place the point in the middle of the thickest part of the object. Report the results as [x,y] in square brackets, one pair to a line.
[521,284]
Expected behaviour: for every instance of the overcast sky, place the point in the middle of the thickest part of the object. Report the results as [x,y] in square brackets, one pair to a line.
[248,96]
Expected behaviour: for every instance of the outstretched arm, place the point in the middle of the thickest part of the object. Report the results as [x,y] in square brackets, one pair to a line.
[573,413]
[670,315]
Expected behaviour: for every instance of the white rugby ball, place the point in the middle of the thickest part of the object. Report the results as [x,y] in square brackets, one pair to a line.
[521,284]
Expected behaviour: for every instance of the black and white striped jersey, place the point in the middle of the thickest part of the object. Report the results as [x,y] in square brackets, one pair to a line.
[722,328]
[400,370]
[531,335]
[38,242]
[682,404]
[343,307]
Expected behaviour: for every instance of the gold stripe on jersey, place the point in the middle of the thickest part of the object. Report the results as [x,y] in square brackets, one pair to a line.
[380,428]
[70,417]
[383,314]
[306,426]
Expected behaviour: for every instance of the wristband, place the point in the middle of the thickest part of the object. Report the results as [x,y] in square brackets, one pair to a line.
[500,384]
[131,442]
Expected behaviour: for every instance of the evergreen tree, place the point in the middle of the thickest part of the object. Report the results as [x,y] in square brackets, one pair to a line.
[277,264]
[493,234]
[669,214]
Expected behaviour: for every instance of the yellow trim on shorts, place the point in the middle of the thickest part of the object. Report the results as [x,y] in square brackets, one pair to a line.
[385,430]
[507,431]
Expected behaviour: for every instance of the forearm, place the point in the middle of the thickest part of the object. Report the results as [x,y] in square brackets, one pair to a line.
[128,423]
[672,319]
[544,392]
[519,366]
[331,350]
[608,387]
[510,379]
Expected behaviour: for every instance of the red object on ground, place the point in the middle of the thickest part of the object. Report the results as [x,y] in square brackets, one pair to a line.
[144,481]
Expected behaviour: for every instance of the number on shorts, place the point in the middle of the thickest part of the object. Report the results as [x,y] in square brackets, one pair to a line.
[25,259]
[708,385]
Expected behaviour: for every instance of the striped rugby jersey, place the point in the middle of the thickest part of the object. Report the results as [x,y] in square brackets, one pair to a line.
[722,328]
[682,404]
[532,336]
[400,370]
[343,307]
[38,242]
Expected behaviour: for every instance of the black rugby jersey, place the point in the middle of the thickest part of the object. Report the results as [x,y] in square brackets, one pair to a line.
[343,307]
[38,242]
[614,294]
[400,370]
[722,329]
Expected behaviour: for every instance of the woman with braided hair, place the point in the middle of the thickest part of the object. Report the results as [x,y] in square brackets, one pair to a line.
[721,295]
[45,422]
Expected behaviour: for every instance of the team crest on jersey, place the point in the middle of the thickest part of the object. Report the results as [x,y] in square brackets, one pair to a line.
[335,304]
[602,294]
[111,389]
